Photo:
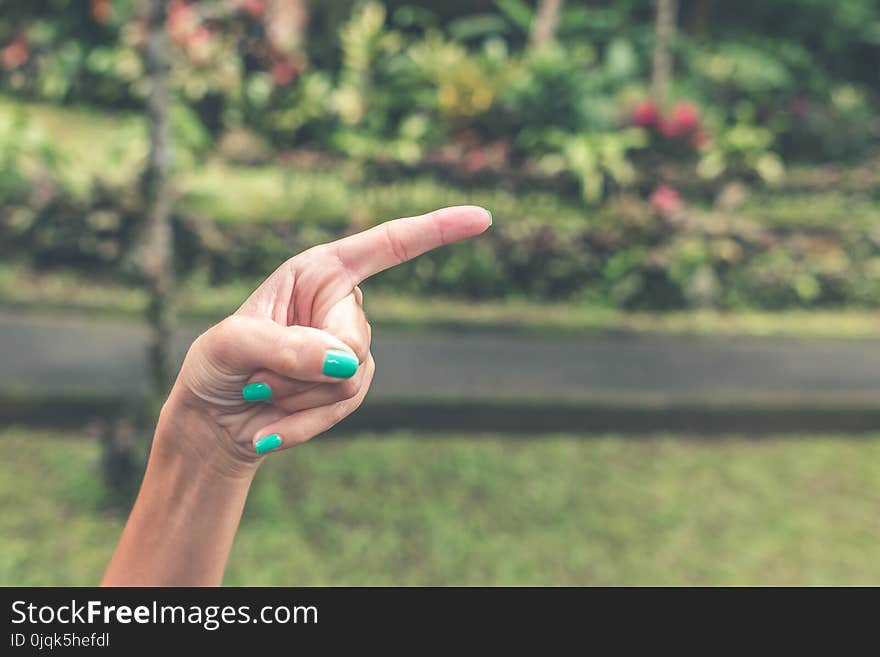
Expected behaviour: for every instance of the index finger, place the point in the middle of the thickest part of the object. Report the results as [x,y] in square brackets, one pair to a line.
[397,241]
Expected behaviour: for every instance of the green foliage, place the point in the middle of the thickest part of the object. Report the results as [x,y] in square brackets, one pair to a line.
[757,51]
[364,40]
[295,114]
[551,88]
[742,150]
[781,250]
[741,70]
[25,154]
[625,257]
[393,82]
[432,95]
[517,12]
[597,160]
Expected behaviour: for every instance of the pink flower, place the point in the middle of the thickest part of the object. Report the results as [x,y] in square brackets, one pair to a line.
[667,127]
[666,201]
[15,54]
[684,121]
[183,19]
[198,43]
[686,117]
[475,160]
[645,114]
[283,72]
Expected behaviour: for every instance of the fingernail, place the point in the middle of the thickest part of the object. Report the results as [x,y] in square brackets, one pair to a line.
[489,212]
[256,392]
[268,443]
[340,364]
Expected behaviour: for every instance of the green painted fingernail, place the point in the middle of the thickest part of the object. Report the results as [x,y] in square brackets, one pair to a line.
[256,392]
[489,212]
[268,443]
[340,364]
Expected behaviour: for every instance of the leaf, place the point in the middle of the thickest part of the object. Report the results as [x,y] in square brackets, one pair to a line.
[471,27]
[621,59]
[517,12]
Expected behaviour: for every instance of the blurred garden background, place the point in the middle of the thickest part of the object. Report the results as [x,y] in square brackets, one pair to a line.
[668,342]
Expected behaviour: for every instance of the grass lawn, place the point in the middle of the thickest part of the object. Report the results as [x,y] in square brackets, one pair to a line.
[408,509]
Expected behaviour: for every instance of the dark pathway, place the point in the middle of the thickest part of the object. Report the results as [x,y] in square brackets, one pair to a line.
[58,355]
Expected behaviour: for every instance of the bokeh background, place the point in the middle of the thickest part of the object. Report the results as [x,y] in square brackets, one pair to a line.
[659,366]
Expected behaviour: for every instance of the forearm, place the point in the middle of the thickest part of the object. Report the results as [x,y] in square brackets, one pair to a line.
[183,523]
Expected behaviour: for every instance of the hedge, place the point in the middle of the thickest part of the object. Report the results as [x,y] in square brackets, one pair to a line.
[629,257]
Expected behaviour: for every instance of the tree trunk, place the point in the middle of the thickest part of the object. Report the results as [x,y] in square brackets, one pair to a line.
[157,248]
[546,22]
[664,36]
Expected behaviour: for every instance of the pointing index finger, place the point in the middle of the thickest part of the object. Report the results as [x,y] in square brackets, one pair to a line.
[397,241]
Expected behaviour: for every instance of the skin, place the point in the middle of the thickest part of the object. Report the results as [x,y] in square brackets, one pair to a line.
[203,458]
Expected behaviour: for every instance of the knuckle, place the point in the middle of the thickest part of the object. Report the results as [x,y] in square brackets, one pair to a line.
[349,388]
[361,348]
[224,336]
[339,412]
[234,325]
[394,244]
[311,256]
[355,403]
[288,357]
[359,343]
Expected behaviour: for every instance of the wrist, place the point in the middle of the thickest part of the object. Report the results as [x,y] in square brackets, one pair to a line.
[187,438]
[182,525]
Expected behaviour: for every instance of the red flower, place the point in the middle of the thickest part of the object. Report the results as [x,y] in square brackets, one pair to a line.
[685,118]
[15,54]
[666,201]
[668,128]
[684,121]
[283,72]
[475,160]
[645,114]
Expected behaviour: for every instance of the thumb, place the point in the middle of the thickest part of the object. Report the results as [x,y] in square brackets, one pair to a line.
[246,344]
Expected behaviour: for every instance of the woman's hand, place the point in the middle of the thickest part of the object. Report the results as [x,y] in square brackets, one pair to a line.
[295,358]
[289,364]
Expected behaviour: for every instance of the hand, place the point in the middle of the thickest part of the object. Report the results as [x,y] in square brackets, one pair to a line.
[303,342]
[295,358]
